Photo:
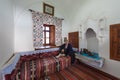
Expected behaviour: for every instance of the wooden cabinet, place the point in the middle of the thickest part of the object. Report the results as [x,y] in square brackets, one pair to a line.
[74,39]
[115,42]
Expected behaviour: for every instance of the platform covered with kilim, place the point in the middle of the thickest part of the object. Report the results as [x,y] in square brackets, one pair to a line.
[80,71]
[37,66]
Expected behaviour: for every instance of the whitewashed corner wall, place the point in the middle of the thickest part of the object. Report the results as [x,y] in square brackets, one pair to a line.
[6,31]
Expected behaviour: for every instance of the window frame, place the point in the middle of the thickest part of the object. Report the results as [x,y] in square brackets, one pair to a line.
[51,35]
[44,37]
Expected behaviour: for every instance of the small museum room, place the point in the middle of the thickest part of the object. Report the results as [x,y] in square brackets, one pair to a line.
[59,40]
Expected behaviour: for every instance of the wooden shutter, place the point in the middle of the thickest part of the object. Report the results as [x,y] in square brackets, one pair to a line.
[115,41]
[52,35]
[74,39]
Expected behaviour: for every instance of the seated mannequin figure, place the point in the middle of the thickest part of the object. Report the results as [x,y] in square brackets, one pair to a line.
[61,54]
[67,50]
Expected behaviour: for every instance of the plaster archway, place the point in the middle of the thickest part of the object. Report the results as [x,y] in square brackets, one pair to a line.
[92,41]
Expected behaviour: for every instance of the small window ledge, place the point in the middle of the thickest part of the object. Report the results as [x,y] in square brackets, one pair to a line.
[45,47]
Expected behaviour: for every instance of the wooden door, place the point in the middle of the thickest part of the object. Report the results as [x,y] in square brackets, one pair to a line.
[74,39]
[115,41]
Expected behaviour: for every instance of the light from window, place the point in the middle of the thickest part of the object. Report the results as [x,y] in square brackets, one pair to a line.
[47,40]
[46,35]
[47,28]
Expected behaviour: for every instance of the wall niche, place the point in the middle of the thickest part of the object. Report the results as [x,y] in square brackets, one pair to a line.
[92,41]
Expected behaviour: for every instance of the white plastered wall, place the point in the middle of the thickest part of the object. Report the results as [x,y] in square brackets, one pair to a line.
[6,30]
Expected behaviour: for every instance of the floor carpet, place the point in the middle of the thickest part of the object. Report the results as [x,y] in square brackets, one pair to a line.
[78,72]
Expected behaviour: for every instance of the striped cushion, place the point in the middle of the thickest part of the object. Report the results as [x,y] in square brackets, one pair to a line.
[48,66]
[65,61]
[35,68]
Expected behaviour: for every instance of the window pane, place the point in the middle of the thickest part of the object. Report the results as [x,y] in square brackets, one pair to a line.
[43,35]
[47,34]
[47,28]
[43,41]
[43,28]
[47,40]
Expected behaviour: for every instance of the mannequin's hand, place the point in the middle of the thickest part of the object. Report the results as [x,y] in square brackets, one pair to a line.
[62,50]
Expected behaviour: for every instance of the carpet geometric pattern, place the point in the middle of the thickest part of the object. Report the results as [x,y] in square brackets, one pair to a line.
[78,72]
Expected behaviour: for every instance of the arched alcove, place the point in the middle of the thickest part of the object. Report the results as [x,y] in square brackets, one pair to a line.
[92,41]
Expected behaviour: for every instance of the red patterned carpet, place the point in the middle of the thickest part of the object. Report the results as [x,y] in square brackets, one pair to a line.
[79,72]
[37,69]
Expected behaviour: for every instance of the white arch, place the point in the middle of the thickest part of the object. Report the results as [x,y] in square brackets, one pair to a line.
[92,41]
[90,24]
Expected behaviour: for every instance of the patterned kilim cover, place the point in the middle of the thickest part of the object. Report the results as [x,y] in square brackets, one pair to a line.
[65,61]
[48,69]
[79,72]
[38,68]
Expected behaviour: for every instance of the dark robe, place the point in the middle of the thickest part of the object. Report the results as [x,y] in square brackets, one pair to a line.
[68,51]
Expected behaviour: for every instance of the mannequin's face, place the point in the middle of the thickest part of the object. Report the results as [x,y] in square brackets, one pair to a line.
[66,42]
